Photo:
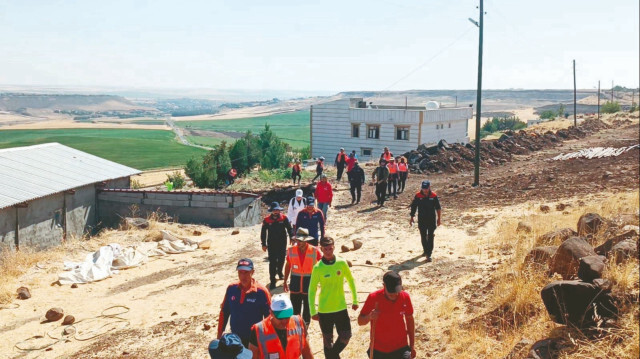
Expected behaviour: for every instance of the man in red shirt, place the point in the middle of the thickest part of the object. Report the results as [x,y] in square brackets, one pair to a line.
[324,195]
[391,314]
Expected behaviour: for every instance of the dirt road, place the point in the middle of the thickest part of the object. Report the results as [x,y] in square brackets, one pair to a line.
[169,299]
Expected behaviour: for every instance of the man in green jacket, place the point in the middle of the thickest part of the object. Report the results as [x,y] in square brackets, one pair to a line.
[330,273]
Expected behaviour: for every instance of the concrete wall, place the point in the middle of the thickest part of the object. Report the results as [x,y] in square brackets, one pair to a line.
[42,222]
[213,209]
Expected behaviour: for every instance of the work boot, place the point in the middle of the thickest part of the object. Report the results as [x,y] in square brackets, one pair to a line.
[272,285]
[429,259]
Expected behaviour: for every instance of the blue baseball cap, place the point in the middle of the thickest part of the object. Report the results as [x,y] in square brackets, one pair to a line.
[245,264]
[426,184]
[275,206]
[229,347]
[311,201]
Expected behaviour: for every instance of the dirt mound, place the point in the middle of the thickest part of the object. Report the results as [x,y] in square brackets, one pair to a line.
[454,158]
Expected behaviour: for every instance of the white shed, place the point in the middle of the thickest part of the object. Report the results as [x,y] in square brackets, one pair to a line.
[368,128]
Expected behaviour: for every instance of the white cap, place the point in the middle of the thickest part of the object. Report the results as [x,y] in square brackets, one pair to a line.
[281,306]
[299,193]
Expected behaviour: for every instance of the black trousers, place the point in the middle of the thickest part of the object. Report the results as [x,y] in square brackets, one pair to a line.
[393,182]
[276,261]
[402,353]
[300,302]
[426,236]
[343,326]
[317,175]
[381,192]
[340,172]
[402,180]
[295,175]
[356,192]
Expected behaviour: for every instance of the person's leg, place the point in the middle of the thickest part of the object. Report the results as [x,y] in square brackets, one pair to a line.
[352,189]
[340,171]
[324,207]
[383,197]
[430,241]
[395,186]
[282,254]
[358,193]
[326,322]
[296,302]
[389,186]
[423,238]
[273,265]
[343,327]
[306,315]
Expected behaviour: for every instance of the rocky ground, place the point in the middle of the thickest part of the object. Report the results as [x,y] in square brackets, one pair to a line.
[169,300]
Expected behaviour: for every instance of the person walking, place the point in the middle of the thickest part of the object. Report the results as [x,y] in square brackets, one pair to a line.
[351,161]
[312,219]
[386,155]
[379,177]
[275,228]
[301,258]
[296,172]
[427,204]
[330,274]
[403,173]
[340,163]
[296,204]
[281,335]
[231,176]
[390,312]
[319,168]
[393,178]
[356,179]
[324,195]
[245,303]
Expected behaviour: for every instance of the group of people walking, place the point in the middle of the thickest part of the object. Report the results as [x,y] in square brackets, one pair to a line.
[301,254]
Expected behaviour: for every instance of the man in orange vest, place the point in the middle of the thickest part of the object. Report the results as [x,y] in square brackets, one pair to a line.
[393,178]
[386,155]
[300,261]
[340,163]
[281,335]
[403,170]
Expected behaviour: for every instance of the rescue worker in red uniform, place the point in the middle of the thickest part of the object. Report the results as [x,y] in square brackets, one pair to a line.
[281,335]
[275,228]
[427,204]
[300,261]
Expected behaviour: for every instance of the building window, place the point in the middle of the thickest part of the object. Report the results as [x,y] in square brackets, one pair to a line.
[373,131]
[449,124]
[402,133]
[366,152]
[355,130]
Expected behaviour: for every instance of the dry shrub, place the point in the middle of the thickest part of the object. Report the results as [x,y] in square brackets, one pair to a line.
[13,264]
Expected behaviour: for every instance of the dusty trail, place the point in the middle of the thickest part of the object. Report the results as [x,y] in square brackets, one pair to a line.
[452,289]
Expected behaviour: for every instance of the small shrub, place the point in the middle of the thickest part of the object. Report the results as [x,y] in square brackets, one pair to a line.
[177,179]
[610,107]
[547,115]
[135,184]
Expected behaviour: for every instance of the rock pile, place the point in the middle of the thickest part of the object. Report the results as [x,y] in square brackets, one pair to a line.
[445,157]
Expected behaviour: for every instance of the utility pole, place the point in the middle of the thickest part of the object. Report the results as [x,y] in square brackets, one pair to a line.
[598,99]
[476,175]
[575,121]
[456,100]
[611,91]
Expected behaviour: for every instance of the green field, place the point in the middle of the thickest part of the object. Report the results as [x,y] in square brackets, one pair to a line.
[141,149]
[292,127]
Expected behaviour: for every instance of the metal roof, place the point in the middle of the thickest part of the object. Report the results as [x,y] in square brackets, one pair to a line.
[31,172]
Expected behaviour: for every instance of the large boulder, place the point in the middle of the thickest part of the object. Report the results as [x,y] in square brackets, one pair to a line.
[591,267]
[541,255]
[557,235]
[604,248]
[54,314]
[590,223]
[625,250]
[567,258]
[576,302]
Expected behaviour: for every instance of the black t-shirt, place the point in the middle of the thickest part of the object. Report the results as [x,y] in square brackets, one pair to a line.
[282,335]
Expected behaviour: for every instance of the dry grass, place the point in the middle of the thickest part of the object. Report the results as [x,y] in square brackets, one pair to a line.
[515,310]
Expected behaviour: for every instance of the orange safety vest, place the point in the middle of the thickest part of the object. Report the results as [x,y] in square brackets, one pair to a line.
[393,168]
[269,344]
[402,167]
[387,156]
[301,272]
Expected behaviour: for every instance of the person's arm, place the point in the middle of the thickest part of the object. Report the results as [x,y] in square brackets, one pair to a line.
[364,318]
[330,195]
[438,210]
[223,318]
[313,286]
[287,226]
[335,163]
[322,221]
[352,285]
[411,330]
[306,349]
[373,175]
[287,271]
[290,211]
[263,235]
[414,207]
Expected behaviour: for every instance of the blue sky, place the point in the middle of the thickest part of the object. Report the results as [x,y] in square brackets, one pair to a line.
[327,46]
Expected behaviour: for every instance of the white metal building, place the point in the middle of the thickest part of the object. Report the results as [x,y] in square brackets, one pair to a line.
[368,128]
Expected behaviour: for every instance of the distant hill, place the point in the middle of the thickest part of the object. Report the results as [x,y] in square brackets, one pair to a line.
[17,102]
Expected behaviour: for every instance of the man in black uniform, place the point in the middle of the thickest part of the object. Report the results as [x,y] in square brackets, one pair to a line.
[340,163]
[380,177]
[275,228]
[356,179]
[428,205]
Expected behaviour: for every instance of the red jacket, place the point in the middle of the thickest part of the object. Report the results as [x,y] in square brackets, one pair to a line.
[324,192]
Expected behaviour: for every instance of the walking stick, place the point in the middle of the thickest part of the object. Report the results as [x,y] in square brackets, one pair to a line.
[372,340]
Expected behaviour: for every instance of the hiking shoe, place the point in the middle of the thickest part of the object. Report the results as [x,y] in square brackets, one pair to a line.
[280,275]
[429,259]
[272,286]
